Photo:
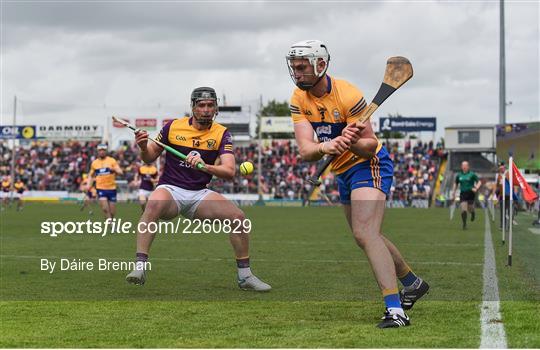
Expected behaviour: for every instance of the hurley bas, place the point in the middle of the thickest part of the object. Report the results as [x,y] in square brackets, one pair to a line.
[87,265]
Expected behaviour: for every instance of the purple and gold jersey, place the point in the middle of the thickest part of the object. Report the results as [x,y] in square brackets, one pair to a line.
[147,173]
[19,187]
[342,104]
[182,136]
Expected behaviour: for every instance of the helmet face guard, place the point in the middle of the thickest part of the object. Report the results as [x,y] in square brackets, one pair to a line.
[204,94]
[312,50]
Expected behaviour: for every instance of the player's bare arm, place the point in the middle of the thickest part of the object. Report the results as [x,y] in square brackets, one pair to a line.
[150,151]
[90,180]
[311,150]
[224,169]
[118,170]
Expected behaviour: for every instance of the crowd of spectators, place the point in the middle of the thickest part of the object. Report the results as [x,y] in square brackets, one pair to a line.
[59,166]
[415,170]
[284,174]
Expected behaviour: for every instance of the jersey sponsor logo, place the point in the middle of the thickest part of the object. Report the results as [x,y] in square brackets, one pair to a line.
[103,171]
[323,129]
[211,144]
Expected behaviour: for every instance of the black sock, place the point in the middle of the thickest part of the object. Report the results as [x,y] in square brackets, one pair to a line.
[242,263]
[464,217]
[472,215]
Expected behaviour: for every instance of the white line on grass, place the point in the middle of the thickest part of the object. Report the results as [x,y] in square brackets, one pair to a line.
[316,261]
[493,334]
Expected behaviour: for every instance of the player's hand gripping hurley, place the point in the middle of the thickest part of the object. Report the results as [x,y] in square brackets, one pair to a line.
[166,147]
[398,71]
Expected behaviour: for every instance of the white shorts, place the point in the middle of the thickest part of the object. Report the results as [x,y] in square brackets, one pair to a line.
[4,194]
[187,200]
[144,193]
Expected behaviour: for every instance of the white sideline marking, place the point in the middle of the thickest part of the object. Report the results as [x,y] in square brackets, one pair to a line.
[316,261]
[492,328]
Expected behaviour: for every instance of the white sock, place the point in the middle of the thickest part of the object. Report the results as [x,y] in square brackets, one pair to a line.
[244,272]
[396,310]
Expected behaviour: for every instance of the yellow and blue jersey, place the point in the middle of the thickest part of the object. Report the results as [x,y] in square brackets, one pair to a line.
[182,136]
[104,173]
[342,104]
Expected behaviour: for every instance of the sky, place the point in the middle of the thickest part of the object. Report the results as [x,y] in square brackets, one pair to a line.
[82,61]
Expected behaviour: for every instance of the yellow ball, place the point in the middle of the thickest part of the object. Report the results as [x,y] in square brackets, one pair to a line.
[246,168]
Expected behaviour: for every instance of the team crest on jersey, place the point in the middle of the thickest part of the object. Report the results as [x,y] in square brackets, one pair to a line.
[211,144]
[180,138]
[307,112]
[337,115]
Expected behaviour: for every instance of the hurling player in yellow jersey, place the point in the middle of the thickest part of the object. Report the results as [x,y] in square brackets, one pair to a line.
[104,169]
[182,188]
[329,108]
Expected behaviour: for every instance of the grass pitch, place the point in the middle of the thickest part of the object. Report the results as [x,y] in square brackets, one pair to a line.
[324,294]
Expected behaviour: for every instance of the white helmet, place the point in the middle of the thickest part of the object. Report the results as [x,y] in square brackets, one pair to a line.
[313,51]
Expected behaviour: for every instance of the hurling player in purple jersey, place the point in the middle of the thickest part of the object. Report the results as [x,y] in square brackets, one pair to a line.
[182,188]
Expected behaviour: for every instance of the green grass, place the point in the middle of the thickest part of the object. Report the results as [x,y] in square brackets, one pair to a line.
[520,297]
[324,293]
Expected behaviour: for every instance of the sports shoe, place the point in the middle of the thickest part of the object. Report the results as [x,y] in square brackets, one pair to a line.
[394,320]
[253,283]
[137,277]
[408,298]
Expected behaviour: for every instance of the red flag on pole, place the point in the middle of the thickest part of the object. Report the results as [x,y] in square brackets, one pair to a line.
[528,193]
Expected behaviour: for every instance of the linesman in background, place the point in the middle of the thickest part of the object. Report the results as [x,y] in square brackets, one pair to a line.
[469,184]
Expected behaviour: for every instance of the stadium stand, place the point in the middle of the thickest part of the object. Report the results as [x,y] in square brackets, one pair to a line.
[50,166]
